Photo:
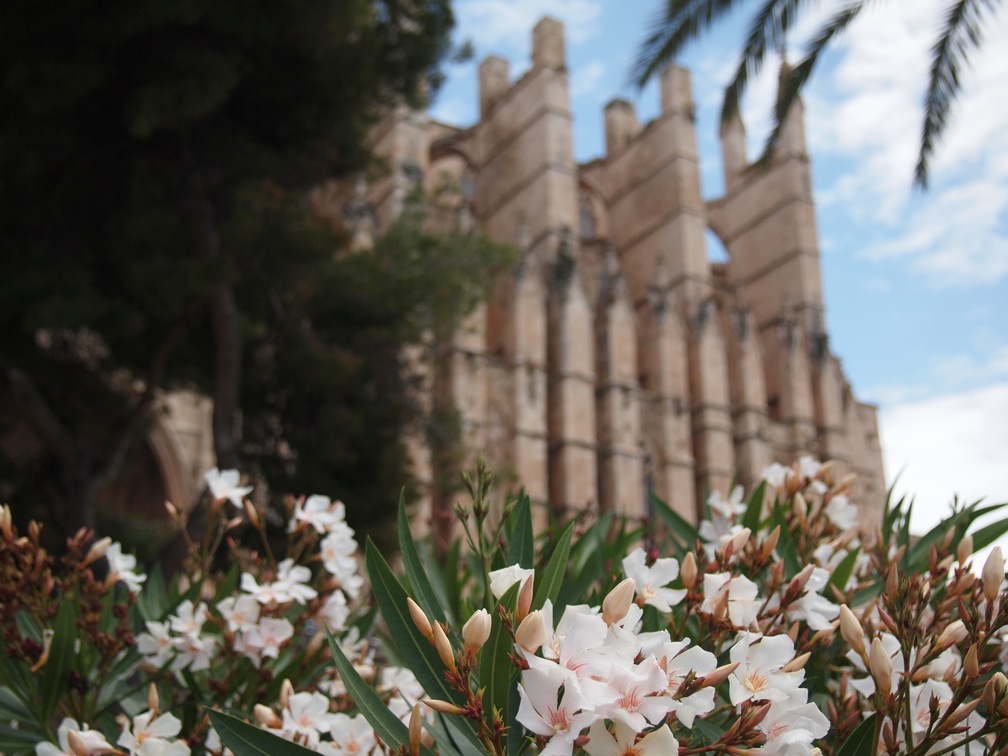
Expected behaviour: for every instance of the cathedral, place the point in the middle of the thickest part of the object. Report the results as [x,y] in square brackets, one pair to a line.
[616,360]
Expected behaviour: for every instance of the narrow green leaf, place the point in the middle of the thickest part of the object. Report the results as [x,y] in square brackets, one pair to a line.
[417,653]
[548,584]
[683,532]
[28,626]
[61,654]
[986,535]
[15,741]
[861,740]
[708,729]
[785,545]
[843,570]
[22,685]
[442,737]
[152,603]
[248,740]
[521,550]
[416,570]
[496,671]
[754,509]
[13,708]
[369,703]
[867,593]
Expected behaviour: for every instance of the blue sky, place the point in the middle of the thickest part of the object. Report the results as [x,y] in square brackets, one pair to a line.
[916,285]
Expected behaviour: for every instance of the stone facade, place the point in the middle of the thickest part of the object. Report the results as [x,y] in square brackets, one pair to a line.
[617,358]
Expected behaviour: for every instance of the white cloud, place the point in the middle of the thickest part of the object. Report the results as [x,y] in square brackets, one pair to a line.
[865,109]
[504,27]
[950,445]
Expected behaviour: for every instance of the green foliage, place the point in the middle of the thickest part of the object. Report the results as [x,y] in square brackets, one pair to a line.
[156,159]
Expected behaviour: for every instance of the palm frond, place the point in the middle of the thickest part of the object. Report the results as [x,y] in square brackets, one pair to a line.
[792,83]
[959,37]
[767,31]
[673,28]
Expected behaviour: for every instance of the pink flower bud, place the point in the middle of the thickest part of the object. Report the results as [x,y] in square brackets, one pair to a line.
[531,633]
[476,630]
[993,574]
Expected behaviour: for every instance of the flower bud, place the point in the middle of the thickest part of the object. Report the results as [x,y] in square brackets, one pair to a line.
[801,579]
[420,619]
[965,549]
[851,631]
[525,597]
[739,540]
[97,550]
[960,714]
[286,691]
[266,716]
[531,633]
[415,730]
[476,630]
[800,506]
[797,663]
[443,707]
[6,522]
[718,676]
[252,513]
[993,574]
[47,636]
[881,668]
[994,691]
[892,583]
[443,646]
[152,698]
[617,603]
[688,571]
[954,633]
[971,664]
[771,542]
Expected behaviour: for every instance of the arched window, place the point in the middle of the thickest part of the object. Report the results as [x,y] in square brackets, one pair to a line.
[586,216]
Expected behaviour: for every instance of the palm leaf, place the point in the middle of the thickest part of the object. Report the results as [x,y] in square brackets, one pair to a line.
[960,36]
[678,24]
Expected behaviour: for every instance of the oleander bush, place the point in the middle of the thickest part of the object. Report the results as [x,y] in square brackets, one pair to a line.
[780,625]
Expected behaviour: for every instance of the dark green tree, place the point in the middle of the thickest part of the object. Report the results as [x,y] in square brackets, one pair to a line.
[154,159]
[682,21]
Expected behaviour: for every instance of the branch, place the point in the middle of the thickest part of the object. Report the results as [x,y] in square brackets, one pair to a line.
[141,411]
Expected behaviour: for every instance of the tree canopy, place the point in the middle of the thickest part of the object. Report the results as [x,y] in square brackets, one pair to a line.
[156,234]
[682,21]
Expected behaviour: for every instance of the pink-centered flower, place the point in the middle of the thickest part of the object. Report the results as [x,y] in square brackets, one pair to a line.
[545,712]
[650,582]
[759,676]
[92,741]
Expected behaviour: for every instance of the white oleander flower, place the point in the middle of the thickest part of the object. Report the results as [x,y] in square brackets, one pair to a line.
[504,578]
[307,716]
[223,484]
[157,644]
[351,736]
[150,734]
[620,742]
[545,712]
[650,581]
[318,511]
[743,597]
[817,611]
[842,513]
[87,742]
[122,567]
[759,676]
[240,612]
